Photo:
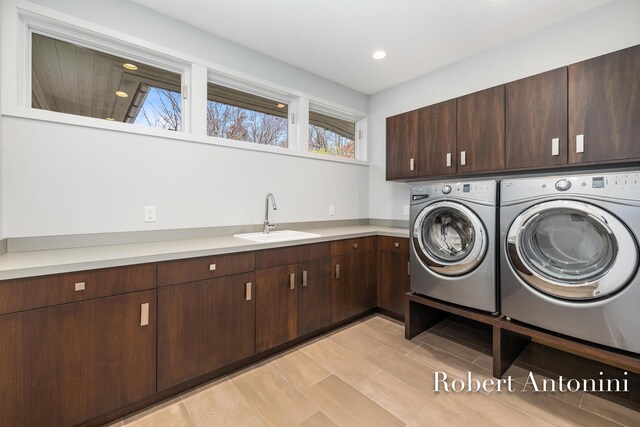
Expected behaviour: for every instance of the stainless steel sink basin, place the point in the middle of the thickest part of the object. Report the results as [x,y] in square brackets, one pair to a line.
[276,236]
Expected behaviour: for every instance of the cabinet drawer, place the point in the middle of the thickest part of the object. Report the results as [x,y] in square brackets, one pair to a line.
[44,291]
[291,255]
[393,244]
[193,269]
[349,246]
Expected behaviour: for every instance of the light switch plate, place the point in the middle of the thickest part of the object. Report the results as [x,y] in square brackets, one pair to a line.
[332,210]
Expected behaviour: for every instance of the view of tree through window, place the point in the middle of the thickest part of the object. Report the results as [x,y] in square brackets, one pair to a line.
[72,79]
[241,116]
[330,135]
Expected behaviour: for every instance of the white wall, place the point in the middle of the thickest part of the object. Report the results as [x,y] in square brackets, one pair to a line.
[611,27]
[64,179]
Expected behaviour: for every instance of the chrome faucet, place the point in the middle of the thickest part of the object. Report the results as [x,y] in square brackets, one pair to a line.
[268,227]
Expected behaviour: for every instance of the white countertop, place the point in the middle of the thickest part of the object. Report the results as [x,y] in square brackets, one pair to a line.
[37,263]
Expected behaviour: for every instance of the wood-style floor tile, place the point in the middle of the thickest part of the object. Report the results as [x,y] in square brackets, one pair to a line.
[175,415]
[520,373]
[319,419]
[551,410]
[299,370]
[478,338]
[340,361]
[276,401]
[220,404]
[393,336]
[404,368]
[625,414]
[356,342]
[409,404]
[346,406]
[462,351]
[254,422]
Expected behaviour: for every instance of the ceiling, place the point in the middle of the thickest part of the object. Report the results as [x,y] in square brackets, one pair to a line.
[335,38]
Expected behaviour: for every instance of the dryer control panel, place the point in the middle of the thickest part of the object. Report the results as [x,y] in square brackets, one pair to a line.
[622,185]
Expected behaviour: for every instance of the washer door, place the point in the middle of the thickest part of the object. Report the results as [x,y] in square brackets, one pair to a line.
[572,250]
[449,238]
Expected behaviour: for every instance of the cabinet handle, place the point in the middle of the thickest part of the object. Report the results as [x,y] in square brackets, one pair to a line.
[304,278]
[555,147]
[212,267]
[79,286]
[396,245]
[247,291]
[292,281]
[355,246]
[337,271]
[448,160]
[579,143]
[412,164]
[408,268]
[144,314]
[463,158]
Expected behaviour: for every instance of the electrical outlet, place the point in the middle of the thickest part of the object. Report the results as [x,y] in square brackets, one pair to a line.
[332,210]
[406,209]
[149,214]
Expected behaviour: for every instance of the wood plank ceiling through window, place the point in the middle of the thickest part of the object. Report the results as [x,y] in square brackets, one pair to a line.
[76,80]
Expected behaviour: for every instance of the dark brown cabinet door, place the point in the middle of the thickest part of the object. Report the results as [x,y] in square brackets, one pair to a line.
[70,363]
[437,139]
[402,146]
[364,282]
[314,296]
[604,107]
[353,285]
[536,120]
[480,131]
[393,274]
[276,306]
[204,326]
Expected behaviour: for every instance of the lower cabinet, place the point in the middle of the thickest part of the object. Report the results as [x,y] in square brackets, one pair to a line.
[393,273]
[291,301]
[353,282]
[203,326]
[67,364]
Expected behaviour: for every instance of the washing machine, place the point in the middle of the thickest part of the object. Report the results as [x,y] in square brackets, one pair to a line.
[569,255]
[453,249]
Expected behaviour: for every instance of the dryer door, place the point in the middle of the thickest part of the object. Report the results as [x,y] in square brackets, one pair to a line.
[449,238]
[572,250]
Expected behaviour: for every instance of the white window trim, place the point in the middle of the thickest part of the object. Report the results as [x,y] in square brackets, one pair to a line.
[21,18]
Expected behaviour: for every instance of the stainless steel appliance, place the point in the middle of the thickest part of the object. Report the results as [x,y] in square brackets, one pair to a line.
[569,255]
[453,228]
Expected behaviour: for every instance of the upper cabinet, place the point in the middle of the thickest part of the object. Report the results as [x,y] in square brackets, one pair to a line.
[480,139]
[588,112]
[604,108]
[437,138]
[536,121]
[402,146]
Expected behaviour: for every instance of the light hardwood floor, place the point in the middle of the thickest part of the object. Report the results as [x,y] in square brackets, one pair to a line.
[367,374]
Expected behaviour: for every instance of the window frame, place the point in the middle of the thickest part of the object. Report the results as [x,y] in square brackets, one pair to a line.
[24,18]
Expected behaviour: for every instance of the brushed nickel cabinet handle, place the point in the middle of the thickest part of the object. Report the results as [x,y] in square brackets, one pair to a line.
[292,281]
[555,147]
[80,286]
[304,278]
[448,160]
[337,271]
[579,143]
[355,246]
[144,314]
[212,267]
[408,268]
[247,291]
[412,164]
[396,245]
[463,158]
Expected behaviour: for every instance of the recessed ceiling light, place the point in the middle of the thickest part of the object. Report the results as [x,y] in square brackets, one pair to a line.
[121,94]
[131,67]
[280,105]
[379,54]
[110,119]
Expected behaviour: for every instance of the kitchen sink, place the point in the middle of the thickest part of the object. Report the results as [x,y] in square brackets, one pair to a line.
[276,236]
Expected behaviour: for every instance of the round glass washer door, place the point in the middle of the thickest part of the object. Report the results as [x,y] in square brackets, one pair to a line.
[449,238]
[571,250]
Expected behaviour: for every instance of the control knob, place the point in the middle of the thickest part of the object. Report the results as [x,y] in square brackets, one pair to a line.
[446,189]
[563,185]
